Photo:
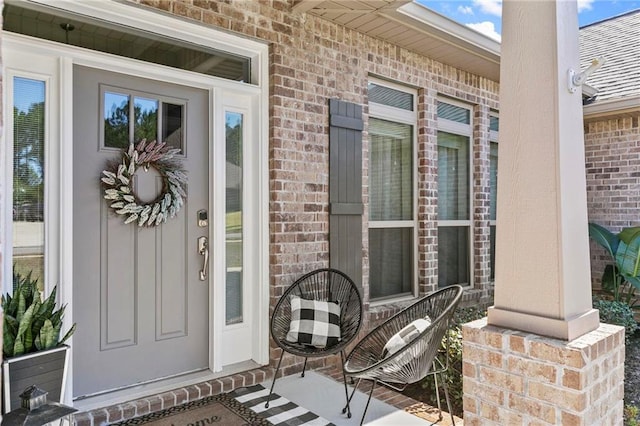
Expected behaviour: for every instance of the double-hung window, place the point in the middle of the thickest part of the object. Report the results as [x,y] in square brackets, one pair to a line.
[454,193]
[392,224]
[494,124]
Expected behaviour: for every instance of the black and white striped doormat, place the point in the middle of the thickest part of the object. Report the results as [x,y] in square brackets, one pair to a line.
[281,411]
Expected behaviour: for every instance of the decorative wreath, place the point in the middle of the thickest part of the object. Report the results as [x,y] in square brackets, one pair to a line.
[118,177]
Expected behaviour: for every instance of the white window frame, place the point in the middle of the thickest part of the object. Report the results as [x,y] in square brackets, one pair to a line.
[47,73]
[399,115]
[59,161]
[466,130]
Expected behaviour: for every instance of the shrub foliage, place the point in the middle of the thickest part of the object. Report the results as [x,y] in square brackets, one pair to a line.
[618,313]
[453,376]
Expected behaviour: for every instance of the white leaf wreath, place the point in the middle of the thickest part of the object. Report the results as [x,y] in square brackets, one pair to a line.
[118,177]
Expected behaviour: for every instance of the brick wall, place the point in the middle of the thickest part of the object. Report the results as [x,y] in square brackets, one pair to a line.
[311,61]
[612,154]
[481,189]
[516,378]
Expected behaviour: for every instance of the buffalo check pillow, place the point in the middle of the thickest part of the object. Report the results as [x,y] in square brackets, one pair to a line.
[403,337]
[314,323]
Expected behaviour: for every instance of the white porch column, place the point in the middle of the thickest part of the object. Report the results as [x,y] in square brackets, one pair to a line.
[543,282]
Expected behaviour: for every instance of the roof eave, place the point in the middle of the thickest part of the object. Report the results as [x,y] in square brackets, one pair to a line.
[612,108]
[445,41]
[463,36]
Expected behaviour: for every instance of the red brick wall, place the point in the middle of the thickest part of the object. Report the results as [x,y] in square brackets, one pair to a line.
[612,154]
[311,61]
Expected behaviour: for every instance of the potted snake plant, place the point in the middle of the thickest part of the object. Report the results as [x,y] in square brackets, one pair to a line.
[33,352]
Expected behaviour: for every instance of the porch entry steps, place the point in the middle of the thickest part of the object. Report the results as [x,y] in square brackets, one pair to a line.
[281,411]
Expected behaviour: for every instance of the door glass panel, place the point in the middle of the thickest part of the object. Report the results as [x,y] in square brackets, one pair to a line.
[146,119]
[28,176]
[233,219]
[173,125]
[116,120]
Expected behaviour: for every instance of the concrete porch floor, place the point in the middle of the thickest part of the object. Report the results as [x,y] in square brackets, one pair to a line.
[320,391]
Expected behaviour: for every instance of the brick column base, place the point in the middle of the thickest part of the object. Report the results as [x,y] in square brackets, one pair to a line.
[518,378]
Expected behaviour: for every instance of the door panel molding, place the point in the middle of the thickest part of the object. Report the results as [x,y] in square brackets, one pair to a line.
[118,297]
[172,296]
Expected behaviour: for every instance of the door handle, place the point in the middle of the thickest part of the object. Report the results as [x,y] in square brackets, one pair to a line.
[203,250]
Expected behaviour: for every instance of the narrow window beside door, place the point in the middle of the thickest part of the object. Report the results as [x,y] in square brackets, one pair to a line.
[28,176]
[233,219]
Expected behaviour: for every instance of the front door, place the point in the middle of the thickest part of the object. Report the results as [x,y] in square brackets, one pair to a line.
[140,302]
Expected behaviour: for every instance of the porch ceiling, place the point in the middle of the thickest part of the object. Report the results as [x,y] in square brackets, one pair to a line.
[415,28]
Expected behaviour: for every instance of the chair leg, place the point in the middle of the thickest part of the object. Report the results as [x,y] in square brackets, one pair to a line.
[346,391]
[344,410]
[266,405]
[446,395]
[435,382]
[304,367]
[366,407]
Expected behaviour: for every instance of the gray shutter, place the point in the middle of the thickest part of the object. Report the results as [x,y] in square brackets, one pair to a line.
[345,188]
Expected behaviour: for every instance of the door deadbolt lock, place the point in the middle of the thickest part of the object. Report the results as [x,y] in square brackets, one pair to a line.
[203,218]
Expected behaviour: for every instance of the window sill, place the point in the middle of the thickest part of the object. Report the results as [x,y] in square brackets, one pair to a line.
[383,310]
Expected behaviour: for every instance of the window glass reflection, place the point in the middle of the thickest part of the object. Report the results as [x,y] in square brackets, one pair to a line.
[233,218]
[116,120]
[146,119]
[28,177]
[173,125]
[391,170]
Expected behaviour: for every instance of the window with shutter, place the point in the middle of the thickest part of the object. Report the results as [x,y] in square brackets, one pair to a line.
[345,188]
[392,224]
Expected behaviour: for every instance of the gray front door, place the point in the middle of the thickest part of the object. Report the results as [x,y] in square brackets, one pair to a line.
[140,305]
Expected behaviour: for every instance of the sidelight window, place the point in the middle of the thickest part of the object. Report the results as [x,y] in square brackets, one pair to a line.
[29,109]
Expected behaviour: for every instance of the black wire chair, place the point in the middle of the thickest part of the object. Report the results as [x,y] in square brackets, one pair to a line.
[329,285]
[416,358]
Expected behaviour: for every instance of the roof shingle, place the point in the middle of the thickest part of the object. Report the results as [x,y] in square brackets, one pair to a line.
[617,39]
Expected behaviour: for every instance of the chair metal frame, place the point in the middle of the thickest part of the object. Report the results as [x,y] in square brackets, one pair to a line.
[329,285]
[417,358]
